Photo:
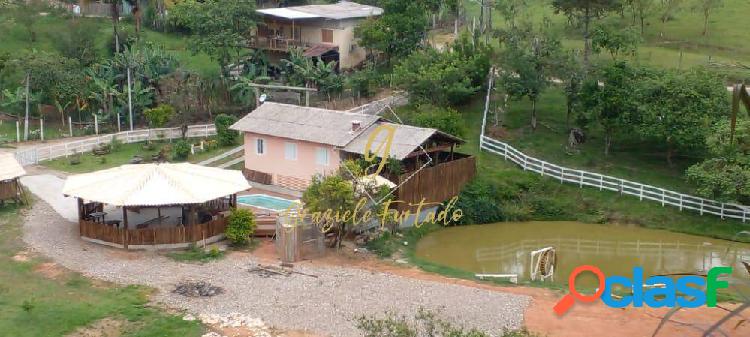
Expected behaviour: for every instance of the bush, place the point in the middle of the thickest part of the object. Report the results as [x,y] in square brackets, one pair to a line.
[447,120]
[225,136]
[479,204]
[160,115]
[424,323]
[181,150]
[241,226]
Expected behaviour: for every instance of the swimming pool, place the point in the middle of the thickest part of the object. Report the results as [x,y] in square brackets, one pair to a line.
[265,201]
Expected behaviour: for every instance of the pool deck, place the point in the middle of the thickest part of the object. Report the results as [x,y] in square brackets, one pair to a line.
[265,218]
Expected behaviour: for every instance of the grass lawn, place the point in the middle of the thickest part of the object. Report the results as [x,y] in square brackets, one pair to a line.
[629,158]
[32,304]
[662,45]
[90,162]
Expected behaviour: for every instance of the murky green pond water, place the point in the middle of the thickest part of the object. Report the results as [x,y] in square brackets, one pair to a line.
[504,248]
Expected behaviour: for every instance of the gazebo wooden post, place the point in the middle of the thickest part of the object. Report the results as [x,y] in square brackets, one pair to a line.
[125,226]
[80,216]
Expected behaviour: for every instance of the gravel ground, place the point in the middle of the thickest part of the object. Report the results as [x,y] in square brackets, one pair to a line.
[325,305]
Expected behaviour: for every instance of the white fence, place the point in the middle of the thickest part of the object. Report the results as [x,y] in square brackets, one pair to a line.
[604,182]
[42,153]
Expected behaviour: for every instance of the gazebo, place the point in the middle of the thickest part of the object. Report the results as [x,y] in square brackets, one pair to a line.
[155,205]
[10,172]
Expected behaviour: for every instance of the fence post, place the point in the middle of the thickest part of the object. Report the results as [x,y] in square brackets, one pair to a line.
[18,132]
[41,129]
[542,173]
[722,211]
[601,182]
[70,126]
[562,174]
[680,202]
[743,215]
[662,197]
[580,183]
[622,186]
[524,162]
[641,193]
[701,206]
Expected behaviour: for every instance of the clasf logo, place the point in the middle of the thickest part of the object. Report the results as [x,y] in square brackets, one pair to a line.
[663,291]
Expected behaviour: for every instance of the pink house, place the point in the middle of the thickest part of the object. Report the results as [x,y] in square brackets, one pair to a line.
[287,145]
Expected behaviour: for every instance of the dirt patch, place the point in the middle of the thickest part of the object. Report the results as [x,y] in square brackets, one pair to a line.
[22,256]
[50,270]
[106,327]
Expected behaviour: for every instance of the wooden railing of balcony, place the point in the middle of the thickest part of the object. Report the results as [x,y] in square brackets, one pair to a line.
[277,43]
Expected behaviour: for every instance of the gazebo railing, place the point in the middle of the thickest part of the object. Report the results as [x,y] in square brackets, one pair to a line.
[153,236]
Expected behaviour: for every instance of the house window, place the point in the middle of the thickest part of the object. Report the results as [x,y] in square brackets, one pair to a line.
[260,146]
[327,35]
[290,151]
[321,156]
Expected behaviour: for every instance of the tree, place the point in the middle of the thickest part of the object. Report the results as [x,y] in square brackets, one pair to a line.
[586,11]
[301,70]
[441,78]
[398,32]
[641,9]
[528,61]
[609,99]
[615,41]
[668,8]
[678,108]
[27,13]
[78,42]
[223,133]
[221,28]
[333,193]
[572,74]
[447,120]
[726,175]
[510,9]
[706,7]
[42,72]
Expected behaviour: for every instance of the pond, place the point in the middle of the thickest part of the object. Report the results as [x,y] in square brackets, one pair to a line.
[504,248]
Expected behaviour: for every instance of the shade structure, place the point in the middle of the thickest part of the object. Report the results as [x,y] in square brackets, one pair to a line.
[155,184]
[9,167]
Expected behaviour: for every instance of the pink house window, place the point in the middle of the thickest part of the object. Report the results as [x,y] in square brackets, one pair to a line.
[321,156]
[260,146]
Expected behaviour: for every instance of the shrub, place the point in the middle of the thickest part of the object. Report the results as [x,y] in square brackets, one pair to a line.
[160,115]
[479,204]
[424,323]
[447,120]
[241,226]
[181,150]
[224,135]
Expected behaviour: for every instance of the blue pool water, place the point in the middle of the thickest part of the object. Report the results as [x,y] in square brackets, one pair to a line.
[266,202]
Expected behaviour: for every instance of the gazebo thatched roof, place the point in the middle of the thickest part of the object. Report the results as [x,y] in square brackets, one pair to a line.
[9,167]
[155,184]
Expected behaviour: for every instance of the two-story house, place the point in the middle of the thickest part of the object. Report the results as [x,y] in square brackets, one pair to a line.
[324,31]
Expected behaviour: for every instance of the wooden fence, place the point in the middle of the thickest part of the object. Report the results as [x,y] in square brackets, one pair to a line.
[41,153]
[605,182]
[152,236]
[436,184]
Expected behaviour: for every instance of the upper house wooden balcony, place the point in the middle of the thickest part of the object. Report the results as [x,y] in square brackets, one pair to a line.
[278,43]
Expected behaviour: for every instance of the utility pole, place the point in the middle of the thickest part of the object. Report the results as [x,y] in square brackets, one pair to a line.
[26,118]
[130,99]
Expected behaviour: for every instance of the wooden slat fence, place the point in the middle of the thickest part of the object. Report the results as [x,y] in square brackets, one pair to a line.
[153,236]
[436,184]
[605,182]
[41,153]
